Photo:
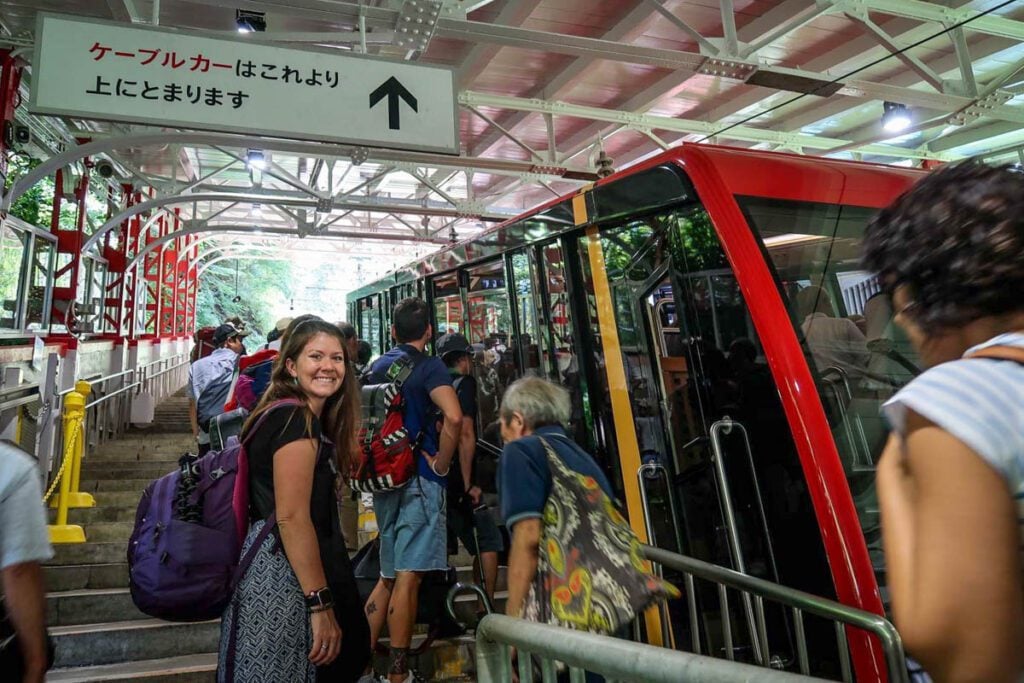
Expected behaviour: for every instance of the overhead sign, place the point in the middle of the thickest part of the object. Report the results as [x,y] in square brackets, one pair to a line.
[102,70]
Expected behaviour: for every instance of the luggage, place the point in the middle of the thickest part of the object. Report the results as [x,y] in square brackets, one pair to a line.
[183,554]
[386,459]
[204,345]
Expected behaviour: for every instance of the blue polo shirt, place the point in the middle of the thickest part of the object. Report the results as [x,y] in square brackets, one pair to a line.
[420,412]
[524,477]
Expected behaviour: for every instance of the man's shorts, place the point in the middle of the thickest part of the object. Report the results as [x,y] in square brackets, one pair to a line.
[461,523]
[411,524]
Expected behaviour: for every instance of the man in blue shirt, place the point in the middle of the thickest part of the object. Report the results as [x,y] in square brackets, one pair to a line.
[411,520]
[213,373]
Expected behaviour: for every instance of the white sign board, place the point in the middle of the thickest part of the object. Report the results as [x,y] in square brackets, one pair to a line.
[101,70]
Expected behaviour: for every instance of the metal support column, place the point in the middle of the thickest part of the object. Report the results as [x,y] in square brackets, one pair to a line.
[10,79]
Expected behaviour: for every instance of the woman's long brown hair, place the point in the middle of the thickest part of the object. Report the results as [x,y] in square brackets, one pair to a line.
[340,418]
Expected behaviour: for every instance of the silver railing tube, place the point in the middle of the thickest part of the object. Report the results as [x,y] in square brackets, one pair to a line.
[725,425]
[613,658]
[798,603]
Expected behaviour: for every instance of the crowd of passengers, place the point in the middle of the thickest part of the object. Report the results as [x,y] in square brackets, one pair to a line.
[950,257]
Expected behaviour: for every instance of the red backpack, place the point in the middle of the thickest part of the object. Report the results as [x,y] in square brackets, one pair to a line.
[386,452]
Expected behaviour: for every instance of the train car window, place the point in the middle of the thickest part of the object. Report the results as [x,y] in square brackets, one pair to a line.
[531,343]
[721,474]
[857,355]
[448,311]
[489,331]
[562,357]
[369,323]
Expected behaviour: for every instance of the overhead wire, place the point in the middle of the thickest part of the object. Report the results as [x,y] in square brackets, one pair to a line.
[856,71]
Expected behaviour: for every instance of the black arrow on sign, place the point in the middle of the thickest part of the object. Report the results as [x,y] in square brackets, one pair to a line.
[393,89]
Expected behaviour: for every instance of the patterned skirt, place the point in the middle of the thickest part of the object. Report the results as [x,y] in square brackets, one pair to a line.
[272,635]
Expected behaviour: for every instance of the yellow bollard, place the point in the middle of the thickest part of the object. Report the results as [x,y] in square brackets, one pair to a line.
[77,499]
[74,418]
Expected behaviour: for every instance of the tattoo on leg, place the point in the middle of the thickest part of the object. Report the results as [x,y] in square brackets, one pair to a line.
[399,660]
[371,607]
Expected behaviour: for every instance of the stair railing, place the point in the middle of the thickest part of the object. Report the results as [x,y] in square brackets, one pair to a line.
[795,601]
[549,648]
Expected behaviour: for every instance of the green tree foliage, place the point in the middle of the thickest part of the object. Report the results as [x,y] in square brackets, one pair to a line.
[260,284]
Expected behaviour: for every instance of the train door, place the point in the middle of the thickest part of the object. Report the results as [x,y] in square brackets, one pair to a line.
[719,472]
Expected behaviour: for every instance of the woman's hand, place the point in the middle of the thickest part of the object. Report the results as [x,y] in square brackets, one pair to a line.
[326,637]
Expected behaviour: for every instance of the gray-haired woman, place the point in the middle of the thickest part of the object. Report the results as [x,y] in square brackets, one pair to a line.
[532,409]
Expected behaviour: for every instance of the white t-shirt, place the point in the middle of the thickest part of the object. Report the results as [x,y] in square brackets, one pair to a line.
[23,534]
[980,402]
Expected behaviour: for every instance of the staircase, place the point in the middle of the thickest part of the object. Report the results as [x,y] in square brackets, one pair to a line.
[101,636]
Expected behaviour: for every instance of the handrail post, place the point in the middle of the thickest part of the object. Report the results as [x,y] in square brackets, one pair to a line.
[492,659]
[74,416]
[74,498]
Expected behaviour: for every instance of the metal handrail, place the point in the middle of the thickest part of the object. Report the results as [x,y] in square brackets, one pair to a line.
[111,395]
[168,369]
[799,602]
[19,388]
[613,658]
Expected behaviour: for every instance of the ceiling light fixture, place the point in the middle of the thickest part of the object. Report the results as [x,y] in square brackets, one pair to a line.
[250,22]
[257,210]
[255,158]
[895,117]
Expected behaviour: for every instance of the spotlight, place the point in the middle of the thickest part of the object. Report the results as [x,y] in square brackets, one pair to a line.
[255,158]
[895,117]
[257,210]
[249,22]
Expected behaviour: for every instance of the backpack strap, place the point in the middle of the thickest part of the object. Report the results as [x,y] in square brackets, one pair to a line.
[1010,353]
[266,413]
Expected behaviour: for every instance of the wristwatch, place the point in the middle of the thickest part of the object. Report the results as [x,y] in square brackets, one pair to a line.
[319,600]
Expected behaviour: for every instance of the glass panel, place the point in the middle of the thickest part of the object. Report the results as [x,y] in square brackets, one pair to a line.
[490,321]
[448,314]
[13,245]
[559,316]
[43,259]
[525,299]
[369,321]
[858,356]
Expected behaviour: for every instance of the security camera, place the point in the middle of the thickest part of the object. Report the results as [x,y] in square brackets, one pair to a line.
[22,134]
[105,168]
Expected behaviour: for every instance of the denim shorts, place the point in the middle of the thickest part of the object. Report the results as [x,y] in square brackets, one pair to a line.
[412,529]
[470,525]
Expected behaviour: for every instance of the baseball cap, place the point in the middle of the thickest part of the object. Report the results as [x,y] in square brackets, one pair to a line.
[282,324]
[225,332]
[452,342]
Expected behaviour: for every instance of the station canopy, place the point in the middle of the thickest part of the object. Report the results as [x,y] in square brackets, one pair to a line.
[544,94]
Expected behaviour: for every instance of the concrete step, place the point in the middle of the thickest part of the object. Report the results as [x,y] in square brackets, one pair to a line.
[89,553]
[104,513]
[123,469]
[115,485]
[187,669]
[152,451]
[69,608]
[118,498]
[74,577]
[466,607]
[107,532]
[448,659]
[130,641]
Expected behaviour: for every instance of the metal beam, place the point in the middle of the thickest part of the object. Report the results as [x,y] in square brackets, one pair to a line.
[632,120]
[705,44]
[104,145]
[898,51]
[729,28]
[481,54]
[366,204]
[963,57]
[991,24]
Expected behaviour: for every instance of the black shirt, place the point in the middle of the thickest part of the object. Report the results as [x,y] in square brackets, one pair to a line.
[465,389]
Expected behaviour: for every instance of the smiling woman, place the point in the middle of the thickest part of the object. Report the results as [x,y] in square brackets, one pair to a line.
[273,633]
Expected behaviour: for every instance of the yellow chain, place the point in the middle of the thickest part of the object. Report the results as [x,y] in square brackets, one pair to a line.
[63,463]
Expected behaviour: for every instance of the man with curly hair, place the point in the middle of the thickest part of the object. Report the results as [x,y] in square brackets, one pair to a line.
[951,480]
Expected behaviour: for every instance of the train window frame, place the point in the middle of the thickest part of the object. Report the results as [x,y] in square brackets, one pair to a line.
[31,314]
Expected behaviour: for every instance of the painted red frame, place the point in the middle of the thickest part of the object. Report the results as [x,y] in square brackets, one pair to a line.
[719,175]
